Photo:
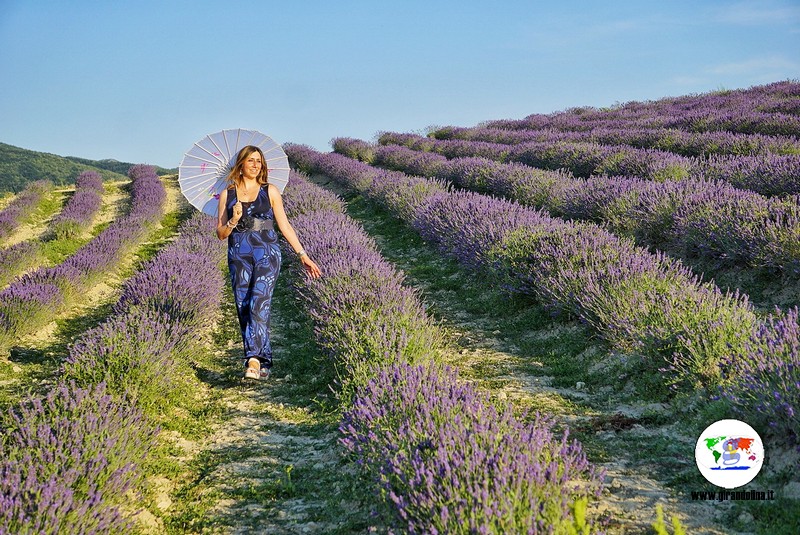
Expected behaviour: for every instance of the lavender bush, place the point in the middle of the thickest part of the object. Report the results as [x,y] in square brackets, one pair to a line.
[81,207]
[766,174]
[399,192]
[690,217]
[51,506]
[304,197]
[175,283]
[776,124]
[183,280]
[139,353]
[20,209]
[765,164]
[766,109]
[451,462]
[146,346]
[17,258]
[692,144]
[364,315]
[739,227]
[764,382]
[354,148]
[582,159]
[633,297]
[73,458]
[24,304]
[69,461]
[769,174]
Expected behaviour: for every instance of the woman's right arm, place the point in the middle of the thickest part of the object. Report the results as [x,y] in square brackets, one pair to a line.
[223,228]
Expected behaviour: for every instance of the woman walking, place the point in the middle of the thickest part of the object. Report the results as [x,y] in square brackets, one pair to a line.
[247,210]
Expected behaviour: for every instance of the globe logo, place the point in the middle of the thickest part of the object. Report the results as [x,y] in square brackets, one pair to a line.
[729,453]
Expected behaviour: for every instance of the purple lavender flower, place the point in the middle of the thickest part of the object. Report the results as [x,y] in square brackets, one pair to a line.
[17,258]
[22,205]
[81,207]
[451,462]
[141,353]
[621,132]
[69,461]
[763,381]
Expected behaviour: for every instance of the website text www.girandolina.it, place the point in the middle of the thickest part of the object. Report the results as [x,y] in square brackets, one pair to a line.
[723,495]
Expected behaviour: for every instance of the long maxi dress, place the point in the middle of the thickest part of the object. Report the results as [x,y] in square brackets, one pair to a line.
[254,261]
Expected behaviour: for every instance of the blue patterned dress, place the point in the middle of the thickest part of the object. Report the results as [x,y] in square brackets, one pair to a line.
[254,261]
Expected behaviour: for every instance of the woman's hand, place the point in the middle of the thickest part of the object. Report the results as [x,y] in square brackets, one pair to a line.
[237,211]
[311,267]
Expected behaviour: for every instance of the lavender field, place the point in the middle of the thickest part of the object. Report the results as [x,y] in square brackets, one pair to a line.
[522,327]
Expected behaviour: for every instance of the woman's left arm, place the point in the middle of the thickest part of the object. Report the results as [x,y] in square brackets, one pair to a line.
[288,232]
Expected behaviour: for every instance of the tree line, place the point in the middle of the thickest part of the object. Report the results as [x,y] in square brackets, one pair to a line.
[19,166]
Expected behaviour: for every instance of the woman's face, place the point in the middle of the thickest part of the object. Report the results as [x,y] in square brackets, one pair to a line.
[252,165]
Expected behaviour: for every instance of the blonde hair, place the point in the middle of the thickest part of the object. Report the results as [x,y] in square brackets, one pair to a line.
[235,176]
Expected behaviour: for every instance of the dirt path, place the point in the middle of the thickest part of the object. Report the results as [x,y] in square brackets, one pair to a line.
[493,347]
[40,223]
[115,202]
[272,463]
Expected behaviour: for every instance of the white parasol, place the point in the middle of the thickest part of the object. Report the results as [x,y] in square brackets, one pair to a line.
[204,170]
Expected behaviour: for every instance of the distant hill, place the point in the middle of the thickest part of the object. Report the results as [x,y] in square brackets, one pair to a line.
[20,166]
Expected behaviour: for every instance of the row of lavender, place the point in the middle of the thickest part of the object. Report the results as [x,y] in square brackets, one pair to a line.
[76,214]
[81,207]
[692,144]
[22,205]
[768,174]
[72,461]
[772,109]
[33,299]
[637,300]
[689,217]
[447,458]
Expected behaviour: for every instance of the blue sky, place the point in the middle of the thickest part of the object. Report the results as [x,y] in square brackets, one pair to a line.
[142,81]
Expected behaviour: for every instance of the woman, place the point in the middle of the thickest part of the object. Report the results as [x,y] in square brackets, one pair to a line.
[247,209]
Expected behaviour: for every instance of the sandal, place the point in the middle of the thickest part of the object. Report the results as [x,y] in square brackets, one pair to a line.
[253,372]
